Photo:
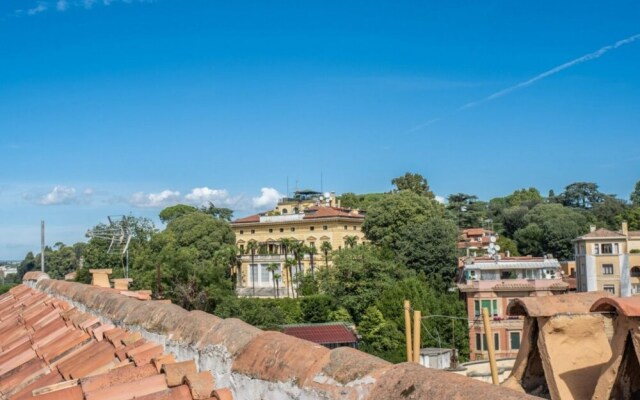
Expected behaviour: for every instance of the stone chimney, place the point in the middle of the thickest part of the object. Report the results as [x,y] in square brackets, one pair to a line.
[625,228]
[592,228]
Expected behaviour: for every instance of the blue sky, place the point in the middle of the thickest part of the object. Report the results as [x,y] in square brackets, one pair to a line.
[118,107]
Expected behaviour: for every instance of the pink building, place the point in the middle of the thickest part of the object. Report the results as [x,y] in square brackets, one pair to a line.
[492,283]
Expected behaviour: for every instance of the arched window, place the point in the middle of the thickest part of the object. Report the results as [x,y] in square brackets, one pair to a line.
[285,211]
[635,271]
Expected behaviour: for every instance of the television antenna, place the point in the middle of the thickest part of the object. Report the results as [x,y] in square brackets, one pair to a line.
[118,234]
[494,248]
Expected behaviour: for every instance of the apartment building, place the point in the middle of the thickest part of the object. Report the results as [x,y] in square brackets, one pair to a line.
[491,283]
[310,218]
[608,260]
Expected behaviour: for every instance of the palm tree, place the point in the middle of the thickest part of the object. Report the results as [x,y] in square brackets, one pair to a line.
[311,250]
[276,279]
[326,247]
[252,246]
[288,263]
[351,241]
[273,267]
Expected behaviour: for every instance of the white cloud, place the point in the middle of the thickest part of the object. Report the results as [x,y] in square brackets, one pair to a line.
[37,9]
[219,197]
[440,199]
[269,198]
[62,5]
[165,197]
[59,195]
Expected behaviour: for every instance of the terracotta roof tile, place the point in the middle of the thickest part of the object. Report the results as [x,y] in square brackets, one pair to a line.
[545,306]
[117,376]
[177,371]
[176,393]
[627,306]
[200,384]
[130,390]
[293,356]
[72,393]
[322,333]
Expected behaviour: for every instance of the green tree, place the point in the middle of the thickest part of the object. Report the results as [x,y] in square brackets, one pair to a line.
[170,213]
[222,213]
[415,183]
[386,219]
[582,195]
[635,195]
[193,252]
[508,246]
[273,268]
[317,308]
[326,248]
[431,248]
[380,337]
[351,241]
[607,211]
[550,229]
[28,264]
[466,210]
[528,198]
[359,276]
[312,251]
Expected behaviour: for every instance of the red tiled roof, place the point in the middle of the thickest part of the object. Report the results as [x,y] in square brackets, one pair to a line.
[322,334]
[602,233]
[250,218]
[313,212]
[50,350]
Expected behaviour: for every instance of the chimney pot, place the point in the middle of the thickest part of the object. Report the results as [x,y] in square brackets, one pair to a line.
[625,228]
[592,228]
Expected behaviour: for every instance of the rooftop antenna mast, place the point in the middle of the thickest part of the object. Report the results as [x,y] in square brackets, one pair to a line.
[118,234]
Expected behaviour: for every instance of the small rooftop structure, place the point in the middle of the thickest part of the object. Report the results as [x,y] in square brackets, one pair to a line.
[563,348]
[434,357]
[330,335]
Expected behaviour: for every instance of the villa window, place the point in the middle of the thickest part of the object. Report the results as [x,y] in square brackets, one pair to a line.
[325,227]
[285,211]
[635,288]
[635,271]
[346,227]
[596,248]
[355,228]
[607,248]
[281,230]
[609,288]
[270,230]
[241,232]
[607,269]
[490,305]
[293,229]
[311,228]
[253,231]
[514,338]
[481,341]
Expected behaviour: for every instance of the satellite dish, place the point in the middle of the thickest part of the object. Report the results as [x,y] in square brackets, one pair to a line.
[463,208]
[321,198]
[493,239]
[492,246]
[497,247]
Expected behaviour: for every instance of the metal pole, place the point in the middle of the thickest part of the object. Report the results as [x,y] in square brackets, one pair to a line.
[42,246]
[491,349]
[416,336]
[407,328]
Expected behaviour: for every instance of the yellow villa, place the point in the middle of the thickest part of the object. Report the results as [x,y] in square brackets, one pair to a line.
[309,218]
[608,260]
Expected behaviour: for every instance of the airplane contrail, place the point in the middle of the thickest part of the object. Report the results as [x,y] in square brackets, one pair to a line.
[587,57]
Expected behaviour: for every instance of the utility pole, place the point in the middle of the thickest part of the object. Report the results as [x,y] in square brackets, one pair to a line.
[492,355]
[417,320]
[42,246]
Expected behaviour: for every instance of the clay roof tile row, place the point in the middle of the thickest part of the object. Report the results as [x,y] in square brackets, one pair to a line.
[253,362]
[50,351]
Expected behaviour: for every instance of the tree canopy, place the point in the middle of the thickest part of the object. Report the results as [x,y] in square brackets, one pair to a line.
[415,183]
